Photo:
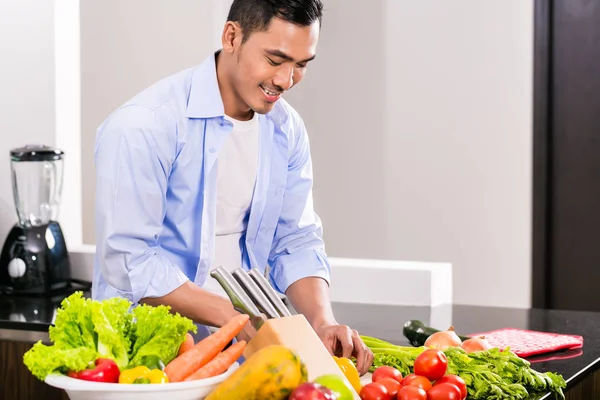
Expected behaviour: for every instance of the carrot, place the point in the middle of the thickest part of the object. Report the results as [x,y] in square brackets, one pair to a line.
[220,363]
[187,344]
[205,350]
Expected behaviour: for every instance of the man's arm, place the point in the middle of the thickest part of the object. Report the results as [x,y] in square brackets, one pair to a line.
[197,304]
[134,153]
[310,297]
[299,265]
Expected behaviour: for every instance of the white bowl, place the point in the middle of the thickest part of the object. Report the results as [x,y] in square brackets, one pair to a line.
[78,389]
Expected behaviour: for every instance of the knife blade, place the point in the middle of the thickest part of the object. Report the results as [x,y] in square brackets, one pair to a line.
[240,300]
[268,290]
[255,293]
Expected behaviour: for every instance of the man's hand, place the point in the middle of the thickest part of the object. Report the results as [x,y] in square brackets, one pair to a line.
[342,341]
[310,296]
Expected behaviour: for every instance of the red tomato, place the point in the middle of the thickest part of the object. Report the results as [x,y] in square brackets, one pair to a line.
[432,364]
[386,372]
[444,391]
[412,393]
[417,381]
[392,386]
[455,380]
[374,391]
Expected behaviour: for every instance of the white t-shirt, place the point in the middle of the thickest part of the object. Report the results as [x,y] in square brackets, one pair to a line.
[237,166]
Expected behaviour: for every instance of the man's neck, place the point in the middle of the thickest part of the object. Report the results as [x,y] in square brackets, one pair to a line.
[231,101]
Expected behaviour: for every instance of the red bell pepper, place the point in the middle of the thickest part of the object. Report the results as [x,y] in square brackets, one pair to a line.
[104,370]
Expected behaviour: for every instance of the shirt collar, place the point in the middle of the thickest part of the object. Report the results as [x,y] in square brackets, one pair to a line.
[205,97]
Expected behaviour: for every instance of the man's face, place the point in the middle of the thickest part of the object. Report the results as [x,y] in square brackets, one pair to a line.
[271,62]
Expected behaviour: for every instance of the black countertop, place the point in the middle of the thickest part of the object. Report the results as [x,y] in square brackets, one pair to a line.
[22,315]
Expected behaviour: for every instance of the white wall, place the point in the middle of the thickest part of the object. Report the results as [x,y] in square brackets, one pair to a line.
[431,124]
[27,113]
[419,115]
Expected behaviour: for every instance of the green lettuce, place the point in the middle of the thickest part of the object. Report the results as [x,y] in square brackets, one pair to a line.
[85,330]
[112,322]
[73,326]
[157,332]
[42,360]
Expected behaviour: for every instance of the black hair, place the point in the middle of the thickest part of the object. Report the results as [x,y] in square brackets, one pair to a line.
[256,15]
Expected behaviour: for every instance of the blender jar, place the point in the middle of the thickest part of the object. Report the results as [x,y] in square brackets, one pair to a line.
[37,179]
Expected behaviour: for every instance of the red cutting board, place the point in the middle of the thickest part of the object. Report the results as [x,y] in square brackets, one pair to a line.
[526,343]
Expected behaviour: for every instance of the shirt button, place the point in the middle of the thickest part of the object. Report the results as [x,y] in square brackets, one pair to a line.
[212,150]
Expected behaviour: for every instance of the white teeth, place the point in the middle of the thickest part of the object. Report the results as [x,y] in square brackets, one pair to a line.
[270,93]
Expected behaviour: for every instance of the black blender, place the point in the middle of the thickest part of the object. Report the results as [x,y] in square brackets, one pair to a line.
[34,258]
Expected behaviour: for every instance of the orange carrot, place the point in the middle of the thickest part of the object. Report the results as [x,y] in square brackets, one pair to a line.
[187,344]
[220,363]
[205,350]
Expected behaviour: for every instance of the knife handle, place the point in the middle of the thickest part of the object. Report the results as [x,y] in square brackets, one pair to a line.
[240,300]
[255,293]
[268,290]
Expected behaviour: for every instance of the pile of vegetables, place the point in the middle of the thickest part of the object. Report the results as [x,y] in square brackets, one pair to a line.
[109,341]
[430,381]
[488,373]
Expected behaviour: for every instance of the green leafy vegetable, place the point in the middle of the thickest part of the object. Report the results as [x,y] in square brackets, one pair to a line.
[112,322]
[43,360]
[157,332]
[85,330]
[491,374]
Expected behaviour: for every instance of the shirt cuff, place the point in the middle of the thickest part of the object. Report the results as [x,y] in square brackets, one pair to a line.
[156,277]
[293,267]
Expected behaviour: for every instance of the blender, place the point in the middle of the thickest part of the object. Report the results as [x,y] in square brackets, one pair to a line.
[34,258]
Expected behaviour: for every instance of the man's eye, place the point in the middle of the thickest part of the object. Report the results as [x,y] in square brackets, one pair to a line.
[301,65]
[273,63]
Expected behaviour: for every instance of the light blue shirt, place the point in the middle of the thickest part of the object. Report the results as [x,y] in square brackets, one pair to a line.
[156,192]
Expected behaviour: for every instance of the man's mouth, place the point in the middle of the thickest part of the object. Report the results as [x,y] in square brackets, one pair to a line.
[270,94]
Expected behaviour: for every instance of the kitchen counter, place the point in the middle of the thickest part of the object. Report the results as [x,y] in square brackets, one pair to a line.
[25,320]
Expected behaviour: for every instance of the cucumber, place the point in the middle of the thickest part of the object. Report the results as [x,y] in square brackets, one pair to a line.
[417,332]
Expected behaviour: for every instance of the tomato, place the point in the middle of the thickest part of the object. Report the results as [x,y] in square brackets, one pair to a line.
[412,393]
[386,372]
[444,391]
[392,386]
[374,391]
[432,364]
[417,381]
[455,380]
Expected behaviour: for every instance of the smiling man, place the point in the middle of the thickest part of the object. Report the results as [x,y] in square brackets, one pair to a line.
[211,167]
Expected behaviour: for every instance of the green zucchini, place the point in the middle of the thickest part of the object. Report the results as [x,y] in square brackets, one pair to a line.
[417,332]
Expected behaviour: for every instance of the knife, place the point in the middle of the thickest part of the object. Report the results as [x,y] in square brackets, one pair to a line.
[240,300]
[255,293]
[268,290]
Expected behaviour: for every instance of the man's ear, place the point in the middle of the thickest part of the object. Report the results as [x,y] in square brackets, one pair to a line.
[232,36]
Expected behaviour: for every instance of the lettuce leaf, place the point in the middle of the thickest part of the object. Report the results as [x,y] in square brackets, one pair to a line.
[42,360]
[158,332]
[73,326]
[112,323]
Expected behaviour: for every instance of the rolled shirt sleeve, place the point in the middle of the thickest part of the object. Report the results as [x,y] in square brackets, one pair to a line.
[134,155]
[298,250]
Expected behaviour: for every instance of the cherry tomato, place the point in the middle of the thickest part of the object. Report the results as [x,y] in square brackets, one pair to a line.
[374,391]
[392,386]
[432,364]
[455,380]
[412,393]
[386,372]
[444,391]
[417,381]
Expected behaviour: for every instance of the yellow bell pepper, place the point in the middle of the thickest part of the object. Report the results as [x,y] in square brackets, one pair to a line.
[350,372]
[143,374]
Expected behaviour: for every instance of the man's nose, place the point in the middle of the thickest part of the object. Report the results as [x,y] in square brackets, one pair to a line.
[284,78]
